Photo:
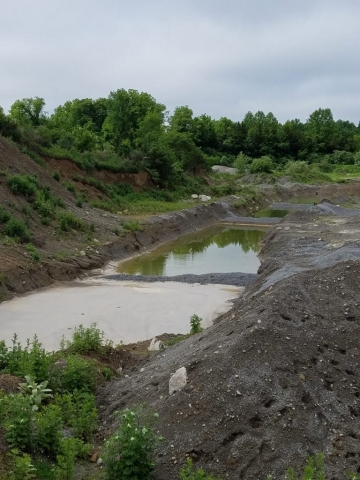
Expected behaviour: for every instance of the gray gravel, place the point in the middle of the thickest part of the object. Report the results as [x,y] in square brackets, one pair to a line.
[252,221]
[236,279]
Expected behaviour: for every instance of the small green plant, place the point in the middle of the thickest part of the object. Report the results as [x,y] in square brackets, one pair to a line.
[129,453]
[313,470]
[18,421]
[263,164]
[33,251]
[68,221]
[56,175]
[78,412]
[70,448]
[23,468]
[48,425]
[132,226]
[189,472]
[38,392]
[195,324]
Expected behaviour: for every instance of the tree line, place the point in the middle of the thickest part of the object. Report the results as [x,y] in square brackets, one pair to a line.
[130,130]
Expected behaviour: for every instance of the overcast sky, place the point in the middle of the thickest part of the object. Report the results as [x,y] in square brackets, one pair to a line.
[222,58]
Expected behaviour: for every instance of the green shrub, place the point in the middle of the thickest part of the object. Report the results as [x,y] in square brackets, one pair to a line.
[48,425]
[79,412]
[17,229]
[313,470]
[263,164]
[18,421]
[68,221]
[132,226]
[23,184]
[23,468]
[70,448]
[29,360]
[56,175]
[195,324]
[129,453]
[75,374]
[242,162]
[188,472]
[85,340]
[4,216]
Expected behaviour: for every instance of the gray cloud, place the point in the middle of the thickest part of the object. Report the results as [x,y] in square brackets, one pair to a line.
[221,58]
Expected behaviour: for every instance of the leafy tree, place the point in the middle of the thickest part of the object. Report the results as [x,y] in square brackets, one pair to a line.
[320,131]
[182,120]
[126,111]
[28,111]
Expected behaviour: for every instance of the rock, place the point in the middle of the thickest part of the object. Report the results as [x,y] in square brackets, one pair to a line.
[156,345]
[194,196]
[94,457]
[178,380]
[82,253]
[99,461]
[204,198]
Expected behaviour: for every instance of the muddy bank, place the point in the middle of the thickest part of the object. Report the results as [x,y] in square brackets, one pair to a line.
[277,377]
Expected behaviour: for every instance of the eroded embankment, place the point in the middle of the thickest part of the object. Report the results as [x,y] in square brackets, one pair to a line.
[277,377]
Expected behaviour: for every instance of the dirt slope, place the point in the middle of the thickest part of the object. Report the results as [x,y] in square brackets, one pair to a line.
[277,378]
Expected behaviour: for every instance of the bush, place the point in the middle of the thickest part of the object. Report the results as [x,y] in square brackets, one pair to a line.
[129,453]
[262,165]
[242,162]
[79,413]
[17,229]
[75,373]
[85,340]
[23,184]
[132,226]
[48,426]
[23,468]
[70,448]
[18,421]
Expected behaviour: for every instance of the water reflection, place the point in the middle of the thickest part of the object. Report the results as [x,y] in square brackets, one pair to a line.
[218,249]
[271,213]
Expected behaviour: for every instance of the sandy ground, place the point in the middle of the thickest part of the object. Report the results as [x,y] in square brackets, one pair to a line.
[125,311]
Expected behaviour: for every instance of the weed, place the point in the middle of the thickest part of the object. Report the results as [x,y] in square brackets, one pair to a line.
[70,448]
[56,175]
[48,425]
[195,324]
[313,470]
[18,421]
[132,226]
[23,468]
[79,413]
[188,472]
[37,392]
[129,453]
[33,251]
[68,221]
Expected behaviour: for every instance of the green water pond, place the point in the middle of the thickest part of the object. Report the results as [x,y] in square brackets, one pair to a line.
[219,249]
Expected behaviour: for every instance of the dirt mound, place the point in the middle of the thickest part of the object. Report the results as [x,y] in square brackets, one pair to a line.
[274,380]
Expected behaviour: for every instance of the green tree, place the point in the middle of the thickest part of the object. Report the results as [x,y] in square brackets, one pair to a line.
[126,112]
[28,111]
[320,131]
[182,120]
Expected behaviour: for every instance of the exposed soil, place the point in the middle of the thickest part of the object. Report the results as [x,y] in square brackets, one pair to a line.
[275,379]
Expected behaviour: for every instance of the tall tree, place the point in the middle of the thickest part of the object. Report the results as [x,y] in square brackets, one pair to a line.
[28,111]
